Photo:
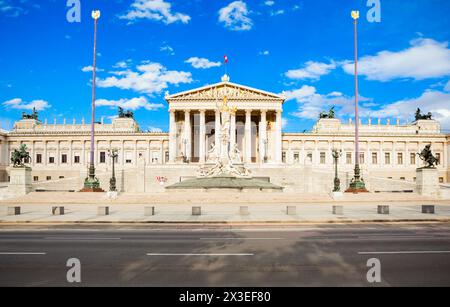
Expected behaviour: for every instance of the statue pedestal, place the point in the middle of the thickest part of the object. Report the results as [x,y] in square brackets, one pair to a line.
[427,181]
[20,181]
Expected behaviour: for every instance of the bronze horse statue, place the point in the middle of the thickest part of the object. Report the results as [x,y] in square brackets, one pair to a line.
[20,157]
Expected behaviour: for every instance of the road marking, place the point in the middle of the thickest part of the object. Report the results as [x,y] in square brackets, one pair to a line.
[79,238]
[231,238]
[22,253]
[207,255]
[404,252]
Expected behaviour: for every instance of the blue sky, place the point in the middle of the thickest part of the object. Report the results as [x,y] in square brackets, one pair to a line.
[303,48]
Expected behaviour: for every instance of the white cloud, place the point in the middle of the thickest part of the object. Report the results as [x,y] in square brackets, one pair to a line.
[19,104]
[130,104]
[121,64]
[269,3]
[154,129]
[149,78]
[158,10]
[433,101]
[9,10]
[311,70]
[447,87]
[426,58]
[277,12]
[265,52]
[90,69]
[166,48]
[235,16]
[311,103]
[202,63]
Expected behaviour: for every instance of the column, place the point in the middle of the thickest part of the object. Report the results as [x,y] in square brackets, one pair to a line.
[83,153]
[122,152]
[289,158]
[302,156]
[149,152]
[233,129]
[248,136]
[263,135]
[202,137]
[381,157]
[136,156]
[217,133]
[161,153]
[70,158]
[58,154]
[278,137]
[33,154]
[368,154]
[187,134]
[172,137]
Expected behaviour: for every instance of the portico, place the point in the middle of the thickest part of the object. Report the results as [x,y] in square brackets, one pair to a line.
[255,127]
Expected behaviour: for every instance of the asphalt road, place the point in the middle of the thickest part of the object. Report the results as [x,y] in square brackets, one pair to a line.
[327,255]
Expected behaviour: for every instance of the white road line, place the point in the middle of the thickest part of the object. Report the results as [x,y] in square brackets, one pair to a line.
[22,253]
[79,238]
[403,252]
[215,238]
[207,255]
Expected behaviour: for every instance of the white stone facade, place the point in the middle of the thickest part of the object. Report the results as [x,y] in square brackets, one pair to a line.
[61,151]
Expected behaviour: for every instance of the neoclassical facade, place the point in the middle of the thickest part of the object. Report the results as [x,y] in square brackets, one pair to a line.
[387,149]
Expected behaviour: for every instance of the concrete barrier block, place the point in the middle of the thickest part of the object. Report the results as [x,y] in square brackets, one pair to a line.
[383,209]
[338,210]
[428,209]
[58,210]
[149,211]
[13,210]
[197,211]
[291,210]
[243,210]
[103,211]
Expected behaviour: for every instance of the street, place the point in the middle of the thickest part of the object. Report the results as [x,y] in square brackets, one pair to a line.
[257,256]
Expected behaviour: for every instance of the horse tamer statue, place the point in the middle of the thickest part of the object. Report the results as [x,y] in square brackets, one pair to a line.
[20,157]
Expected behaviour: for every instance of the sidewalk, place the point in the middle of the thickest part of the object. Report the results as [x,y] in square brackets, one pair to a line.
[229,214]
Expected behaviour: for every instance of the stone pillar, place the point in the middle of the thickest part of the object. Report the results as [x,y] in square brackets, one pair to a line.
[45,162]
[248,136]
[20,181]
[70,157]
[278,138]
[161,153]
[172,137]
[187,134]
[233,129]
[217,133]
[83,153]
[263,135]
[427,182]
[202,136]
[122,153]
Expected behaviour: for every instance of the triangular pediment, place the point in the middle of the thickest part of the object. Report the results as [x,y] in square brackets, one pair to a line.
[220,90]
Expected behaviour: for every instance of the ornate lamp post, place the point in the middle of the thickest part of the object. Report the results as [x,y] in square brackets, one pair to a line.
[113,154]
[91,183]
[337,182]
[357,185]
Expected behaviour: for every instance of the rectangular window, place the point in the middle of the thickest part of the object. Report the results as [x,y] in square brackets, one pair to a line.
[51,160]
[349,158]
[374,158]
[296,158]
[361,158]
[128,157]
[441,179]
[283,157]
[400,158]
[35,178]
[76,159]
[64,159]
[61,177]
[167,157]
[322,158]
[412,159]
[38,158]
[49,178]
[387,158]
[102,157]
[310,157]
[402,178]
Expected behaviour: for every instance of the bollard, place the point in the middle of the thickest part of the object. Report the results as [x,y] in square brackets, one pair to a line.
[428,209]
[196,210]
[149,211]
[13,210]
[58,210]
[243,210]
[103,211]
[383,209]
[291,210]
[338,210]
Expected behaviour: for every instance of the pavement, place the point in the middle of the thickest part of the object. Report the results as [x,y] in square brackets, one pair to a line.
[319,255]
[172,208]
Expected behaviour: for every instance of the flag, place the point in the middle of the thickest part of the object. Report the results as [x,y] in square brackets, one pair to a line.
[225,59]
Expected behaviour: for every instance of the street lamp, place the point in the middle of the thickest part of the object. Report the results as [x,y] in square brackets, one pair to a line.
[337,182]
[113,154]
[91,183]
[357,185]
